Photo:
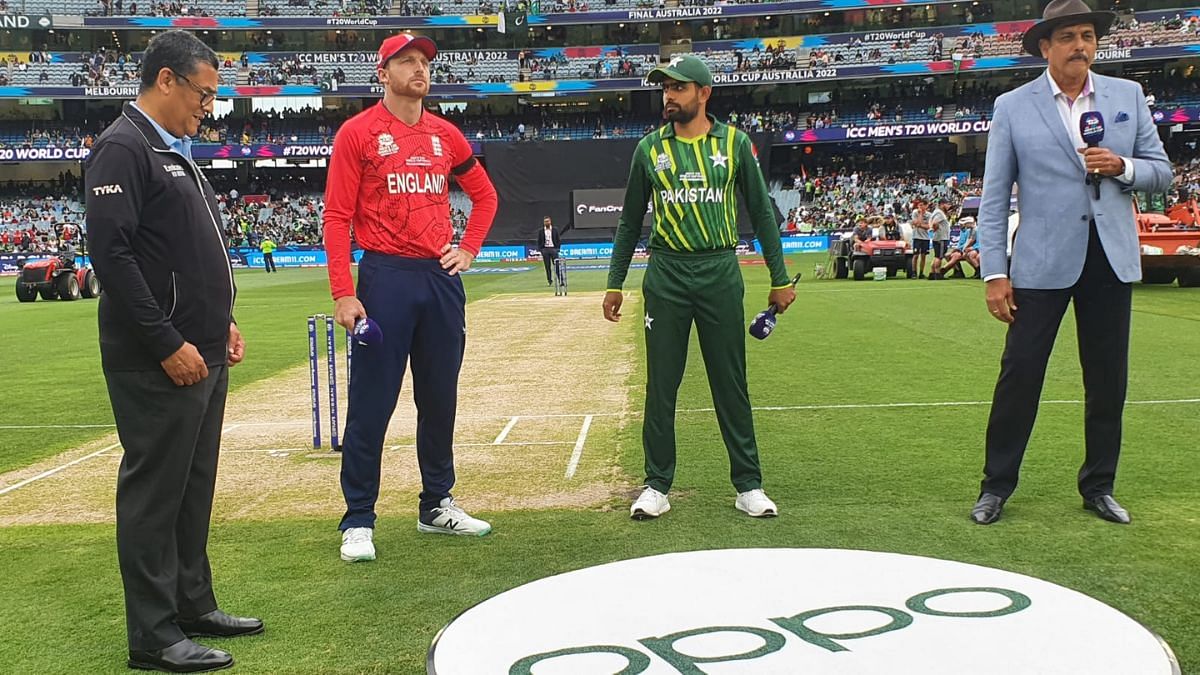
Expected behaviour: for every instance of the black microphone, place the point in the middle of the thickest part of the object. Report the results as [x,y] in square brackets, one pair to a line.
[1091,128]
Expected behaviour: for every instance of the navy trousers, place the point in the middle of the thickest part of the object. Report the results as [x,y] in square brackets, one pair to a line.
[422,312]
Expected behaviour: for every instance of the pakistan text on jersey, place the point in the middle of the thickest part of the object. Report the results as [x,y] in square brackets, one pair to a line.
[416,183]
[693,196]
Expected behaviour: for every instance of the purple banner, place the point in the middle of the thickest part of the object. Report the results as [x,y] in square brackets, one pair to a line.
[489,21]
[884,132]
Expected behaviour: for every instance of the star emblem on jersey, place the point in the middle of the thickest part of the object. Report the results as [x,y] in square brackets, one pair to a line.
[387,145]
[649,320]
[719,160]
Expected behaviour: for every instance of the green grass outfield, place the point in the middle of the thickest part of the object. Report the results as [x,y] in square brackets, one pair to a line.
[890,478]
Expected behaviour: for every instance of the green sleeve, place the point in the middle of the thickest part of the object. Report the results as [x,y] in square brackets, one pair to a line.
[762,215]
[629,227]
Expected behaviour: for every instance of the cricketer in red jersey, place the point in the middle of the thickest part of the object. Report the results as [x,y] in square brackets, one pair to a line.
[389,178]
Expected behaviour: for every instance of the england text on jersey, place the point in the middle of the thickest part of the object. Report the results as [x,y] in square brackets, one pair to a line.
[416,183]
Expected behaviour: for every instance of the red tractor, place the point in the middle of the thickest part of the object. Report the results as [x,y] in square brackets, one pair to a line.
[56,277]
[1168,236]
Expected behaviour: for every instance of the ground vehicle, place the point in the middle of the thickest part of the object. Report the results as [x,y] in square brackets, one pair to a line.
[56,277]
[1162,235]
[895,255]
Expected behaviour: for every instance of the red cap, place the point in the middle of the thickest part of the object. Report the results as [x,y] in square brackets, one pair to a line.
[395,43]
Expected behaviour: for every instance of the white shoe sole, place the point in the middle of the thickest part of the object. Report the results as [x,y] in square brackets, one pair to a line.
[360,558]
[646,515]
[433,529]
[761,514]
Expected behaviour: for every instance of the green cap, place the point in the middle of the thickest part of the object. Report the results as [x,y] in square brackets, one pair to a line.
[684,68]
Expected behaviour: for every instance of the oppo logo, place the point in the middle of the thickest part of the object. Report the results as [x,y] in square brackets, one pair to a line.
[799,625]
[793,611]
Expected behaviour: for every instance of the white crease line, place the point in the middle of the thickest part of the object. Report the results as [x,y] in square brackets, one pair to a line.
[583,432]
[507,428]
[51,472]
[231,427]
[409,446]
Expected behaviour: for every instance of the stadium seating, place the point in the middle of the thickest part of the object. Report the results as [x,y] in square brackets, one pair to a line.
[135,7]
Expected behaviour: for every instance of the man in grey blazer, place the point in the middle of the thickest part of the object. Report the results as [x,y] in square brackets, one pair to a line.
[1070,246]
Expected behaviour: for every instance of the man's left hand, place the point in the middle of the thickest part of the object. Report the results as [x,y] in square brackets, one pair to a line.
[782,298]
[455,260]
[237,346]
[1102,161]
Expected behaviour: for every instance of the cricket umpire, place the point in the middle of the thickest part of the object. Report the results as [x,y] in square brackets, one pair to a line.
[1077,244]
[548,244]
[390,175]
[691,168]
[167,340]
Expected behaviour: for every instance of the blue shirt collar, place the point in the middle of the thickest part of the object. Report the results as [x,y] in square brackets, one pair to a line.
[181,145]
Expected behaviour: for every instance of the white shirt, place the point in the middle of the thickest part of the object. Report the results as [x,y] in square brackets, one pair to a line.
[1069,111]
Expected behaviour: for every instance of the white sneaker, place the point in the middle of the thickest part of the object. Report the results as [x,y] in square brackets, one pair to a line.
[358,544]
[448,518]
[756,503]
[650,504]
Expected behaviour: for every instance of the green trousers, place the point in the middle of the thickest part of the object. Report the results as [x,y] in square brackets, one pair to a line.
[707,289]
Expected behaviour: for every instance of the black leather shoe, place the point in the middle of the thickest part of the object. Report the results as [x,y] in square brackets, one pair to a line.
[184,656]
[219,624]
[987,509]
[1107,508]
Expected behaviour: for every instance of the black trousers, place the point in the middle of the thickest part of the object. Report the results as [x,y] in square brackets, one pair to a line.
[549,255]
[171,436]
[1102,315]
[269,262]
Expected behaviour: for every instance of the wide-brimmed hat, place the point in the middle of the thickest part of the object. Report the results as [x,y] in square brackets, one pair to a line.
[1065,13]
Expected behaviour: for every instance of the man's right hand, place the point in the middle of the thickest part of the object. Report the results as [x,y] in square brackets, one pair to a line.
[1000,300]
[347,311]
[612,305]
[185,367]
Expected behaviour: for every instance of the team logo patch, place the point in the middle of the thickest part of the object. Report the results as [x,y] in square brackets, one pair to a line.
[437,146]
[387,145]
[719,160]
[662,163]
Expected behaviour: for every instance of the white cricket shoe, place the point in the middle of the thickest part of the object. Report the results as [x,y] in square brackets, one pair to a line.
[448,518]
[757,504]
[650,504]
[358,544]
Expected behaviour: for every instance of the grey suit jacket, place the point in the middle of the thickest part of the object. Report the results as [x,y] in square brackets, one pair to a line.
[1028,145]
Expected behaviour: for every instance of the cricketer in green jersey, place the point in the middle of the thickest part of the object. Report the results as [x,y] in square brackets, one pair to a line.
[692,169]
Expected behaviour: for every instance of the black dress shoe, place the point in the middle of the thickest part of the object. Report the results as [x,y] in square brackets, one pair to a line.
[184,656]
[219,624]
[1107,508]
[987,509]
